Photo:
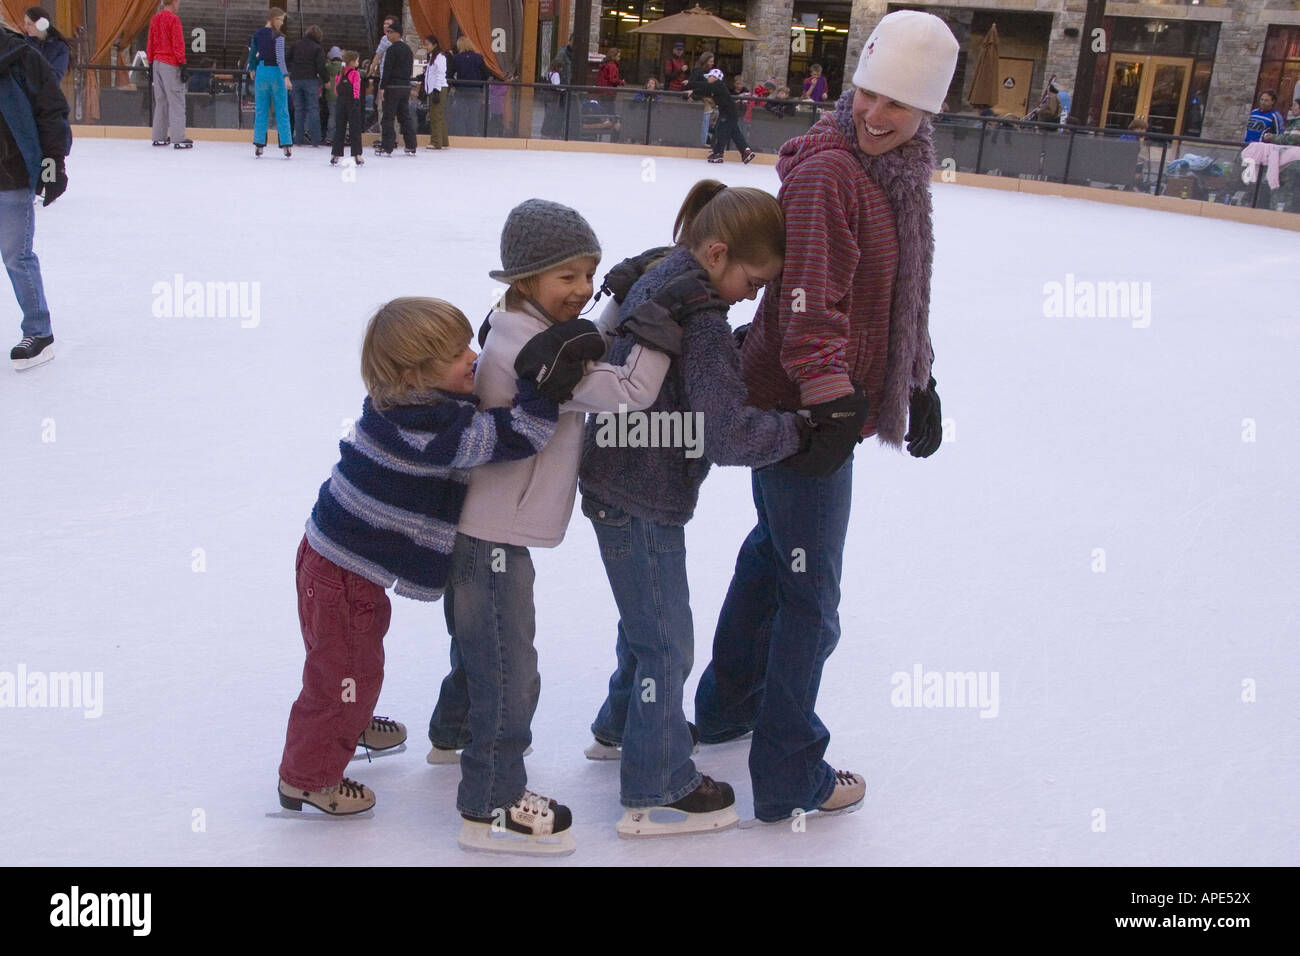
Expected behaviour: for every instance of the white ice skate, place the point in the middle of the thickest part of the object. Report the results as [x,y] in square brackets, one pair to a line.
[383,737]
[847,797]
[709,808]
[534,826]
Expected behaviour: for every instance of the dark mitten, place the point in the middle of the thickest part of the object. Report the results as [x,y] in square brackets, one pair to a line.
[620,279]
[924,422]
[55,186]
[554,358]
[738,335]
[689,293]
[652,325]
[832,431]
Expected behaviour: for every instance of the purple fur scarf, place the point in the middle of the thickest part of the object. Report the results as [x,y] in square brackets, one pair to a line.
[903,174]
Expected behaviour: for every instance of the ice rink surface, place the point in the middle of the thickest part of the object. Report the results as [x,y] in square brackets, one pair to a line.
[1109,531]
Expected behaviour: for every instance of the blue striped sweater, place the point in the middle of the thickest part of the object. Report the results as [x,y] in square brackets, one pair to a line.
[390,507]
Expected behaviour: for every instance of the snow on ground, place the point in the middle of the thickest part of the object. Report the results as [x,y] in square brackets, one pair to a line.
[1121,735]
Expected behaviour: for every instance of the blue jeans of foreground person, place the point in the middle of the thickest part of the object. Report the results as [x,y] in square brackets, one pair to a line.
[646,566]
[306,112]
[490,616]
[17,230]
[778,625]
[268,88]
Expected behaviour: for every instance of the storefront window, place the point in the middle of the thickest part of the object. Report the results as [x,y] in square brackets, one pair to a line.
[819,33]
[1158,70]
[643,54]
[1280,67]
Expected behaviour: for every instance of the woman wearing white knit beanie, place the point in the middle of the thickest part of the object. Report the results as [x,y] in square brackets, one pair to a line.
[844,334]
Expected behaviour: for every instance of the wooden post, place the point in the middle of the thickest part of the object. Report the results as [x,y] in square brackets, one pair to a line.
[528,67]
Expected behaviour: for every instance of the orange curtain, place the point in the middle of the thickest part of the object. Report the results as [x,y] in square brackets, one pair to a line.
[112,17]
[433,16]
[13,11]
[475,20]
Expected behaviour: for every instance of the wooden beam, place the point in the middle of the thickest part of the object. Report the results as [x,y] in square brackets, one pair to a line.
[528,66]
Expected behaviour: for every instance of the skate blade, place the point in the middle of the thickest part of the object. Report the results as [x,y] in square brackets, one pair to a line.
[599,751]
[755,822]
[438,757]
[47,355]
[368,754]
[665,821]
[320,815]
[485,838]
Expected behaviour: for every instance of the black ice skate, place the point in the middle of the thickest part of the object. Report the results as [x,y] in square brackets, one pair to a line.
[709,808]
[33,350]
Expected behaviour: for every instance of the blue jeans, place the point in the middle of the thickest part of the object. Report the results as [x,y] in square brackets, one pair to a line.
[306,111]
[646,566]
[268,87]
[492,625]
[779,623]
[332,130]
[17,229]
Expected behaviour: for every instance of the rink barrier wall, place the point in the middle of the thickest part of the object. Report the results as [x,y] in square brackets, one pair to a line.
[1187,207]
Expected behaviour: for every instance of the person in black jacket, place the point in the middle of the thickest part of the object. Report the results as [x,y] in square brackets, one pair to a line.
[306,62]
[34,139]
[728,128]
[395,80]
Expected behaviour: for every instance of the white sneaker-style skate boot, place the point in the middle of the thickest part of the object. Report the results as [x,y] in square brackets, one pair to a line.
[533,826]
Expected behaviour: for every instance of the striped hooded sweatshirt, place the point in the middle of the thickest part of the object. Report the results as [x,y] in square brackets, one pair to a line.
[391,505]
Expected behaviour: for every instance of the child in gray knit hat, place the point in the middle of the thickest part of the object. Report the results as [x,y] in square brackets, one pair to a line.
[549,256]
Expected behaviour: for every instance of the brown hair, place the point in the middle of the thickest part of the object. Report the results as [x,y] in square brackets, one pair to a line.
[748,220]
[409,345]
[350,56]
[273,13]
[313,31]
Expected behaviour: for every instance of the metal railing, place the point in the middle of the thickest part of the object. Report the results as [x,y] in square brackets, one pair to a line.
[1151,163]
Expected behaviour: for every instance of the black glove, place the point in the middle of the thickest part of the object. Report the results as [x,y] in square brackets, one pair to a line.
[653,326]
[830,432]
[924,422]
[738,335]
[53,188]
[553,358]
[689,293]
[623,276]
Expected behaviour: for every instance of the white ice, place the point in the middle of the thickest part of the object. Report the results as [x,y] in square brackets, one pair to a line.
[1147,713]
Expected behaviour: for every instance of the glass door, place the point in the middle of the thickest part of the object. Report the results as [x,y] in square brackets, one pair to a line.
[1154,87]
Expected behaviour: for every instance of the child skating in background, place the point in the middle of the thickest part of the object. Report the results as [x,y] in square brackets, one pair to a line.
[351,110]
[387,518]
[730,244]
[549,256]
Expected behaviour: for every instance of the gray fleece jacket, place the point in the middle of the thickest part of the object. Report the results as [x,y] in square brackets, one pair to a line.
[711,425]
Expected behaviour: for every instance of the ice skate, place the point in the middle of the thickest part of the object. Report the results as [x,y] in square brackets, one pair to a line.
[410,152]
[288,152]
[439,756]
[748,156]
[847,797]
[184,144]
[32,351]
[163,142]
[709,808]
[534,826]
[345,799]
[601,749]
[257,150]
[382,736]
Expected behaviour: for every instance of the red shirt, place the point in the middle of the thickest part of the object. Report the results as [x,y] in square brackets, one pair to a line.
[166,43]
[673,70]
[608,75]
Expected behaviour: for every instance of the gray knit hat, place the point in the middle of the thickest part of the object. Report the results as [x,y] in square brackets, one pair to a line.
[540,235]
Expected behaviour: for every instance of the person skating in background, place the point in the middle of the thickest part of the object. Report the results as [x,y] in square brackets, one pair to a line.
[372,70]
[1264,120]
[486,704]
[468,75]
[859,251]
[333,67]
[814,85]
[270,73]
[165,50]
[435,92]
[385,518]
[307,71]
[553,118]
[727,131]
[695,84]
[730,242]
[349,85]
[38,24]
[34,141]
[395,82]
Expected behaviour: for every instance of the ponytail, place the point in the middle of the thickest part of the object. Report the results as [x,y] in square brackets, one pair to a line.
[748,220]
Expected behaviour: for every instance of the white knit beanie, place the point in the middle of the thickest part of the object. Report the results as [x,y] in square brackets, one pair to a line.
[909,57]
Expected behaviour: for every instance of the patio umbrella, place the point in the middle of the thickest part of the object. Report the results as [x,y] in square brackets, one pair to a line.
[984,87]
[696,22]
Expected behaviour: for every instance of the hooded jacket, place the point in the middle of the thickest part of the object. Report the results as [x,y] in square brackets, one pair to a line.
[662,484]
[33,113]
[852,304]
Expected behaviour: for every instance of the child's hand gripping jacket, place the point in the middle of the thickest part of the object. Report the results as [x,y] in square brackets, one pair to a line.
[656,323]
[553,359]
